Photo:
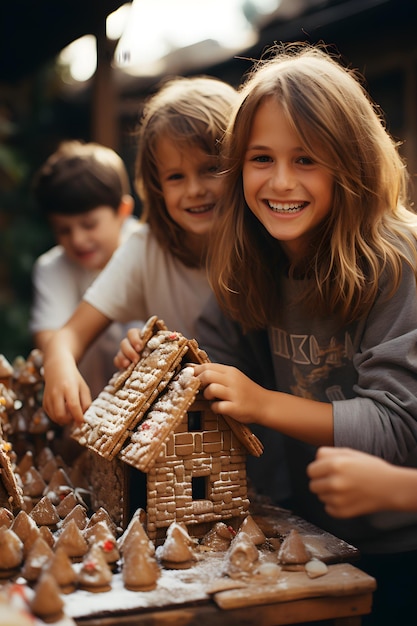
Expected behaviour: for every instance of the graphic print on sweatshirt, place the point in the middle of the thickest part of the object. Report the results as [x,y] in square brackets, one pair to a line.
[317,366]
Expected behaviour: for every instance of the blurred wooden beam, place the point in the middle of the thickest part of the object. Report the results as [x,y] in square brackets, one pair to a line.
[104,105]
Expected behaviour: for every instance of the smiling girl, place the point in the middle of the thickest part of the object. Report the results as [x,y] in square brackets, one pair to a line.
[314,243]
[160,269]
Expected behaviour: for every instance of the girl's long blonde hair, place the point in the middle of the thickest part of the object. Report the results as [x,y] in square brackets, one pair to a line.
[192,112]
[369,229]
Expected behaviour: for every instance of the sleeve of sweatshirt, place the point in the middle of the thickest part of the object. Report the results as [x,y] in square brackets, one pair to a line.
[225,343]
[382,417]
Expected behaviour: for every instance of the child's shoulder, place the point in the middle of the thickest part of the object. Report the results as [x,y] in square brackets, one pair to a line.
[135,230]
[140,243]
[404,239]
[55,262]
[131,225]
[54,256]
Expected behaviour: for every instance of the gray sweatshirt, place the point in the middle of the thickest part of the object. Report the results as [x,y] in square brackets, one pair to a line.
[367,370]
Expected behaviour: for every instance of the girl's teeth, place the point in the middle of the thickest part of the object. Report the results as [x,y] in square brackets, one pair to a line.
[285,207]
[201,209]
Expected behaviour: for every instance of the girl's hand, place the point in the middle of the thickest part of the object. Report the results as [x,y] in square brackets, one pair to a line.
[231,392]
[66,395]
[234,394]
[130,349]
[350,482]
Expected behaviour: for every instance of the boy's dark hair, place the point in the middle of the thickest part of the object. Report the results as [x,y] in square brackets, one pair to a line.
[79,177]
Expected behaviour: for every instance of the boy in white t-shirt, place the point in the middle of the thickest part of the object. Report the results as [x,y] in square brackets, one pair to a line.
[84,192]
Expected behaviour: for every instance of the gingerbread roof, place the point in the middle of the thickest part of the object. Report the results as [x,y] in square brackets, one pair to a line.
[141,406]
[11,495]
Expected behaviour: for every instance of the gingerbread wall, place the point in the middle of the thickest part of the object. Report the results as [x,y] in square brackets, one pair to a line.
[209,456]
[109,487]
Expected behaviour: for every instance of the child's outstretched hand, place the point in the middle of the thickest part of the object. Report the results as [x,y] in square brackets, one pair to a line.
[231,392]
[130,349]
[66,394]
[350,482]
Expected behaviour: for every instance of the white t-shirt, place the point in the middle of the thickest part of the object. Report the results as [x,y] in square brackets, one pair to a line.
[58,286]
[142,279]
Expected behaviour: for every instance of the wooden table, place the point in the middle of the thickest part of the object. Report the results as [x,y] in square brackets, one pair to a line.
[339,610]
[347,613]
[340,597]
[338,613]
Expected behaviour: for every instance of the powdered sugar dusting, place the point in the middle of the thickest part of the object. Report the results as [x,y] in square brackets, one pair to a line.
[161,419]
[174,587]
[124,401]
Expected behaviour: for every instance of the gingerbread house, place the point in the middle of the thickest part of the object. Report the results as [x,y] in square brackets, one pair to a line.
[11,495]
[157,445]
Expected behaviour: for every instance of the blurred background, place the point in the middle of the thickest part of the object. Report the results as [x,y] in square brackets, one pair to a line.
[81,69]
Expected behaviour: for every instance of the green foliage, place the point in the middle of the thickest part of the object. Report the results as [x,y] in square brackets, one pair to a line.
[21,241]
[23,236]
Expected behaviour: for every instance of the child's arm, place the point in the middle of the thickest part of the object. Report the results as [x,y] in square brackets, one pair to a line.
[42,337]
[66,394]
[130,348]
[350,483]
[234,394]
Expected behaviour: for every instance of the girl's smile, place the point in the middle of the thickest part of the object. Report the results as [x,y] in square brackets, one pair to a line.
[190,185]
[287,207]
[284,187]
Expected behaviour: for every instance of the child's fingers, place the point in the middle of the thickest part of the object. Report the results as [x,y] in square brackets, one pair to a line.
[319,486]
[56,408]
[120,361]
[74,408]
[328,461]
[135,339]
[85,399]
[213,391]
[129,350]
[318,469]
[325,451]
[210,373]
